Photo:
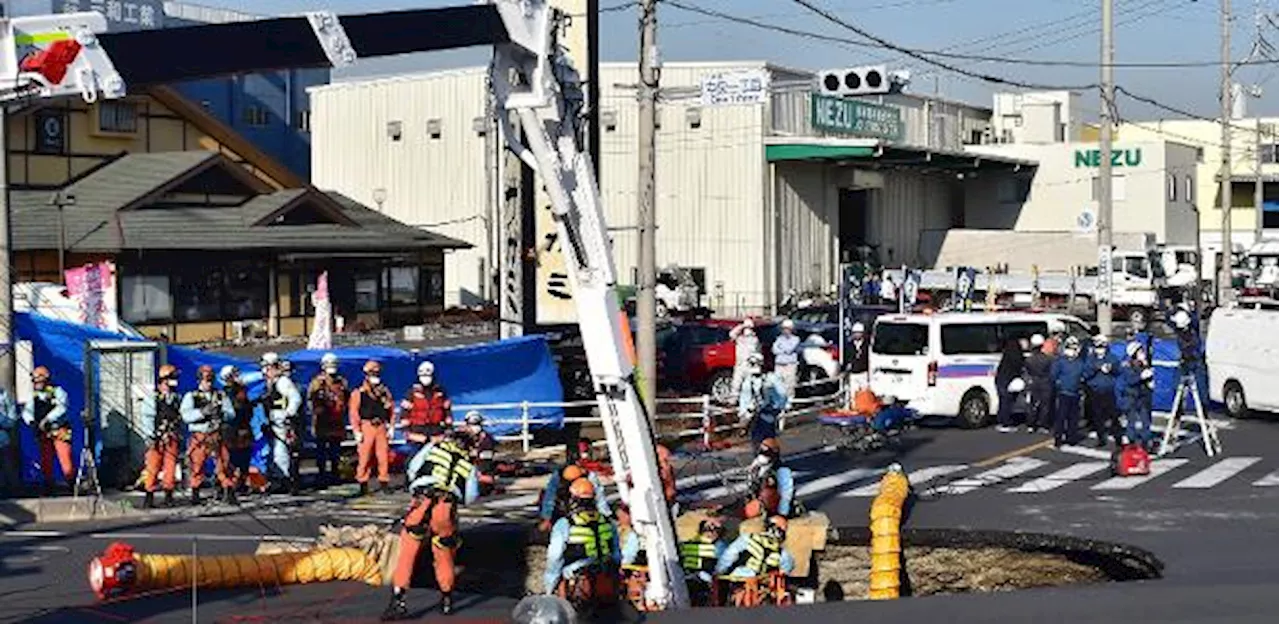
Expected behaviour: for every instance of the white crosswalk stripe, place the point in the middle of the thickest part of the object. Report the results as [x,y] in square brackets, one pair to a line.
[1271,480]
[1158,467]
[1012,468]
[1062,477]
[837,480]
[1217,473]
[916,477]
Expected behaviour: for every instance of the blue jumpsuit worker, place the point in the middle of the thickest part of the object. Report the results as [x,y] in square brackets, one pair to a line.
[761,400]
[9,480]
[754,555]
[1039,369]
[440,477]
[771,485]
[281,405]
[555,495]
[1100,371]
[698,558]
[1137,382]
[1068,378]
[585,541]
[46,413]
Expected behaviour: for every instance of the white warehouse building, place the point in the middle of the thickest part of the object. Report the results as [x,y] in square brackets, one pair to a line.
[768,193]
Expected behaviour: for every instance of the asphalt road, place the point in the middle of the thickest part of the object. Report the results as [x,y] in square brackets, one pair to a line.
[1213,522]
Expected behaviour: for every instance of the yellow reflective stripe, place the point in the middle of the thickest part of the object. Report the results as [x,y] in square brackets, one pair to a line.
[595,539]
[37,38]
[764,554]
[449,466]
[695,555]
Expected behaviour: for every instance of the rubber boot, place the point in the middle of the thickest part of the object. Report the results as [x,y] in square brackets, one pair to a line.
[149,502]
[293,486]
[229,497]
[195,496]
[168,498]
[446,603]
[396,609]
[364,489]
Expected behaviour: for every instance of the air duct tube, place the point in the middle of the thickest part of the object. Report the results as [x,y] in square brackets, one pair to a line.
[886,541]
[120,571]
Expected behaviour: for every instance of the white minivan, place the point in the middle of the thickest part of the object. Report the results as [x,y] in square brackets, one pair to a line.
[945,364]
[1241,352]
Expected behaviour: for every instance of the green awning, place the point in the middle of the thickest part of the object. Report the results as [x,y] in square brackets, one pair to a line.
[801,151]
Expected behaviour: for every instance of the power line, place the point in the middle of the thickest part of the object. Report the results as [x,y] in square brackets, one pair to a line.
[1177,111]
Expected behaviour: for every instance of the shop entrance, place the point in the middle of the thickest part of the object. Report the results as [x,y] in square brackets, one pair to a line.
[854,222]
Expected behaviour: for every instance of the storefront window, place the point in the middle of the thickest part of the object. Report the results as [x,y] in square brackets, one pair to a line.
[145,298]
[366,292]
[247,293]
[433,285]
[304,284]
[402,285]
[197,295]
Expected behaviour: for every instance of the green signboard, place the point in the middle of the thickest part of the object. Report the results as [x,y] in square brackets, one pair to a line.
[841,116]
[1119,158]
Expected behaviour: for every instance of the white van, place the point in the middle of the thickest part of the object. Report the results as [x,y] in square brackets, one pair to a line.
[945,364]
[1241,352]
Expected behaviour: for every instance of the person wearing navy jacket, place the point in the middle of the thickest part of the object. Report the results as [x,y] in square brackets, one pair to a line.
[1100,372]
[1068,378]
[1136,383]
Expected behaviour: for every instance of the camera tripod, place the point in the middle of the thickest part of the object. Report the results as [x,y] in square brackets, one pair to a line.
[87,474]
[1208,431]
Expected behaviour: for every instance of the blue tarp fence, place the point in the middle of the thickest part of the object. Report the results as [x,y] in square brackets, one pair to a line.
[1166,355]
[507,371]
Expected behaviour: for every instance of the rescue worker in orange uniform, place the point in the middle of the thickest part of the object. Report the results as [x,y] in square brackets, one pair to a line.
[205,410]
[440,477]
[556,496]
[46,412]
[161,428]
[371,410]
[771,485]
[426,408]
[583,547]
[237,434]
[327,396]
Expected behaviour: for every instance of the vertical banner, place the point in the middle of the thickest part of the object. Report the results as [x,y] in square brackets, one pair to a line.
[93,288]
[321,334]
[910,289]
[1105,271]
[852,277]
[962,297]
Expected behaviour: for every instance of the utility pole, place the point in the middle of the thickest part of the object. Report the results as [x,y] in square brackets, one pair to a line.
[1104,170]
[1224,170]
[646,271]
[1257,182]
[8,337]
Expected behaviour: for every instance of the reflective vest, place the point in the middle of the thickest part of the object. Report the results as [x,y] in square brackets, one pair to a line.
[201,399]
[44,402]
[427,405]
[763,554]
[167,414]
[449,467]
[372,405]
[590,537]
[698,556]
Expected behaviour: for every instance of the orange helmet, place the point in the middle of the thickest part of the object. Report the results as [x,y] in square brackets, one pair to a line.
[40,373]
[572,473]
[168,371]
[771,446]
[372,367]
[664,453]
[582,488]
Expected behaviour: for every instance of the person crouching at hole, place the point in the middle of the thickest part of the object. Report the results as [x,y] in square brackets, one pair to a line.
[440,477]
[371,409]
[698,557]
[771,485]
[583,554]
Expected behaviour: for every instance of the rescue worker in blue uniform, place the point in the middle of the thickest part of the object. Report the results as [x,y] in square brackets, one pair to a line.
[1068,377]
[1137,383]
[583,543]
[698,558]
[1100,372]
[761,400]
[754,555]
[555,496]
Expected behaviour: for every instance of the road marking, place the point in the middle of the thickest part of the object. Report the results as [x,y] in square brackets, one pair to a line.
[723,490]
[1086,452]
[1158,467]
[1012,468]
[33,534]
[1270,480]
[837,480]
[1061,477]
[204,537]
[991,461]
[915,478]
[1217,473]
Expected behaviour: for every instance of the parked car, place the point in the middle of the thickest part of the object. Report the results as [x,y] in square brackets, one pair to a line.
[830,313]
[1243,368]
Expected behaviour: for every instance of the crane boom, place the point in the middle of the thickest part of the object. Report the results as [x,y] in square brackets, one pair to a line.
[539,103]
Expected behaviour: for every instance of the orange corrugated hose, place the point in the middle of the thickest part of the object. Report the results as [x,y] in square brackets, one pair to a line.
[886,542]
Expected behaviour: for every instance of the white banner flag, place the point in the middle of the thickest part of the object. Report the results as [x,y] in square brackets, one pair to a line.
[321,334]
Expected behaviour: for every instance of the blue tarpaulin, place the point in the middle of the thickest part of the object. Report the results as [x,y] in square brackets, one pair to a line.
[1165,355]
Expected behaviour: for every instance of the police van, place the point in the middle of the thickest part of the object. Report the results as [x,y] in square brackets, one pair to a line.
[944,364]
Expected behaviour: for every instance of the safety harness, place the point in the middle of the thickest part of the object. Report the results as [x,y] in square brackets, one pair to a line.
[167,415]
[449,470]
[590,537]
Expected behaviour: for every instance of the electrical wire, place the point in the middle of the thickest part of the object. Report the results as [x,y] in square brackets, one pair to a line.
[1177,111]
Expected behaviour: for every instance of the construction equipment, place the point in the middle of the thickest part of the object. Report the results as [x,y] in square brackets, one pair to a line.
[533,83]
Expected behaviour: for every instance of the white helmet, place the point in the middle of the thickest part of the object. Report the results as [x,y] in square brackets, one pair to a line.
[1057,327]
[1072,343]
[226,373]
[1181,319]
[788,324]
[1100,341]
[329,359]
[474,418]
[859,328]
[888,399]
[1017,385]
[1132,349]
[270,358]
[816,340]
[1037,340]
[426,369]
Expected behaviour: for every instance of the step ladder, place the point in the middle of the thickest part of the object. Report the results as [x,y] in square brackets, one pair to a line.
[1173,430]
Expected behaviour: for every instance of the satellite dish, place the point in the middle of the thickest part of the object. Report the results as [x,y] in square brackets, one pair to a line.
[543,609]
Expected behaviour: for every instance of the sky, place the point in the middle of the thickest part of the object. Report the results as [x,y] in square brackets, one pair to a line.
[1147,31]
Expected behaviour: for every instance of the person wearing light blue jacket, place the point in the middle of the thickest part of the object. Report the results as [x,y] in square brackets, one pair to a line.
[786,357]
[46,413]
[555,494]
[761,400]
[585,541]
[9,480]
[205,410]
[754,555]
[281,403]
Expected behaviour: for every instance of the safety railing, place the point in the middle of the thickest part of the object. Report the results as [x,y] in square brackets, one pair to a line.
[707,414]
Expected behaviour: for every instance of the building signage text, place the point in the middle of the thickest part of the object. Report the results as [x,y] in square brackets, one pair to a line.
[740,87]
[1119,158]
[121,15]
[842,116]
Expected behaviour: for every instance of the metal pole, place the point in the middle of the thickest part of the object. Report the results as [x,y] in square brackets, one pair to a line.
[1257,183]
[1224,171]
[1104,165]
[8,338]
[646,278]
[62,245]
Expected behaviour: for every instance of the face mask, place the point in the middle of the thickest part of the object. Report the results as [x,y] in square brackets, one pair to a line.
[173,383]
[373,381]
[332,370]
[1100,351]
[1071,353]
[425,379]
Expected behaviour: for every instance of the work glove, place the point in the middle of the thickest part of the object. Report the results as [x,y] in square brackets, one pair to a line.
[359,436]
[1106,368]
[406,404]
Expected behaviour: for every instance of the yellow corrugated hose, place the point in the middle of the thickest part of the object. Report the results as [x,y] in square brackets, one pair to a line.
[886,543]
[286,568]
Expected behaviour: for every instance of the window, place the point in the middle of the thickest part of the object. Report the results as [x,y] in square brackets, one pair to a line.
[1189,192]
[1172,187]
[970,338]
[434,128]
[304,121]
[1135,266]
[197,295]
[1025,329]
[255,116]
[145,298]
[707,336]
[394,130]
[433,285]
[1117,188]
[303,284]
[1077,330]
[1268,153]
[118,117]
[975,137]
[401,285]
[366,291]
[247,293]
[900,339]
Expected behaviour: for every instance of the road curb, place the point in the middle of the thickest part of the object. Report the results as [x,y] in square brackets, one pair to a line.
[16,512]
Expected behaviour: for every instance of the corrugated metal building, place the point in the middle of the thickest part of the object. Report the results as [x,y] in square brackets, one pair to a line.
[757,195]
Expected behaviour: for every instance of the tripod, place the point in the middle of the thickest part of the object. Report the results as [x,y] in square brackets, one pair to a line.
[1208,431]
[87,474]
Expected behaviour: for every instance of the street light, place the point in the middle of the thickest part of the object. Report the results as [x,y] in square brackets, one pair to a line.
[62,199]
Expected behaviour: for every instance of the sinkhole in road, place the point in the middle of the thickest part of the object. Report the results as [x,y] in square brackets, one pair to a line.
[935,561]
